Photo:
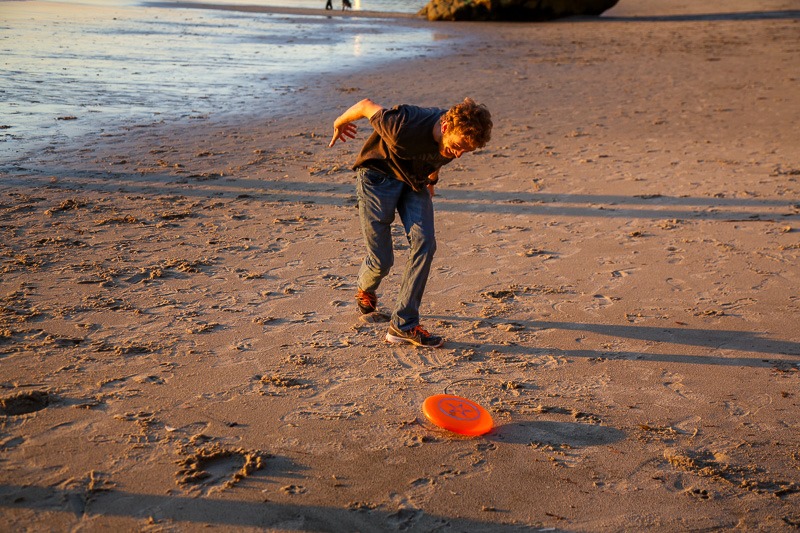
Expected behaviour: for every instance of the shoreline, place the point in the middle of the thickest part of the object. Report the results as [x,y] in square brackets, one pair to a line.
[279,10]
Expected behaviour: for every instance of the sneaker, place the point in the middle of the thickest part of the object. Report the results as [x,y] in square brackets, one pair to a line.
[367,302]
[416,336]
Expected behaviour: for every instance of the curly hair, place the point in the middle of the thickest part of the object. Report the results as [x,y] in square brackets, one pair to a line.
[471,120]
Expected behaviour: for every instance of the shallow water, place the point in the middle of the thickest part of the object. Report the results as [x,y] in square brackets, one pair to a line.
[389,6]
[80,67]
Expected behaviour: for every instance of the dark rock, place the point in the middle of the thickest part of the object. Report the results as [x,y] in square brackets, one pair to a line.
[513,10]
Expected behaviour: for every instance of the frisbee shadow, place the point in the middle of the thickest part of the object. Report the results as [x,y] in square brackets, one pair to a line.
[280,466]
[574,434]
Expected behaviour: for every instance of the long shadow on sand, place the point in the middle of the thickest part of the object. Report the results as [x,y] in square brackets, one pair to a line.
[225,511]
[173,510]
[653,206]
[713,340]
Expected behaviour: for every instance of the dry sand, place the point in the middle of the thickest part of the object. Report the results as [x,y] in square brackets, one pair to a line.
[617,280]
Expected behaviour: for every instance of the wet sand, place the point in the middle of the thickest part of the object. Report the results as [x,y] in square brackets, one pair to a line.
[616,280]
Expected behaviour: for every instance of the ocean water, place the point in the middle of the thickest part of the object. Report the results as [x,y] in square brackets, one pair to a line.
[388,6]
[87,66]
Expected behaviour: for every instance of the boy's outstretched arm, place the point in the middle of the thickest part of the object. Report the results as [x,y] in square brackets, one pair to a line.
[343,127]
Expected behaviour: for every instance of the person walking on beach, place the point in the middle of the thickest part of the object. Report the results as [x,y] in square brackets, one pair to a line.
[397,169]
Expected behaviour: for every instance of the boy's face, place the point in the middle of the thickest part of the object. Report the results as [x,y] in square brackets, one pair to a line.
[454,145]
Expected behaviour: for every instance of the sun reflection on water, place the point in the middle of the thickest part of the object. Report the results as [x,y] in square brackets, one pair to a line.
[67,68]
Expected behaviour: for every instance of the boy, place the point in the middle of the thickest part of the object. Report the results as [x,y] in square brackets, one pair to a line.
[397,169]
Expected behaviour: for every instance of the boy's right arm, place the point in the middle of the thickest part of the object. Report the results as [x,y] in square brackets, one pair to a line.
[344,127]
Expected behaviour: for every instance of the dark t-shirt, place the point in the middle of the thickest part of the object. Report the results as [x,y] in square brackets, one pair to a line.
[402,144]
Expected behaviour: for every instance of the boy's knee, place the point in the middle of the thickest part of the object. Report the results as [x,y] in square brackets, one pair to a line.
[381,266]
[423,244]
[383,270]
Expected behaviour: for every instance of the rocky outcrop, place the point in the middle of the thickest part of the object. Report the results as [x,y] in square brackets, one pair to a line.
[512,10]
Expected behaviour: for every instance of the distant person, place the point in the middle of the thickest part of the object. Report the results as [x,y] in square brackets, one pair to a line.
[397,169]
[346,5]
[329,4]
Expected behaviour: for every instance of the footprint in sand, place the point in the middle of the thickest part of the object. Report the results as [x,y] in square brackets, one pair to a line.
[601,301]
[622,273]
[677,285]
[673,383]
[342,401]
[412,358]
[748,407]
[24,403]
[216,468]
[405,518]
[675,255]
[407,514]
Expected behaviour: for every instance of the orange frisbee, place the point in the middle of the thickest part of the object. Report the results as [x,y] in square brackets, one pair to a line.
[457,414]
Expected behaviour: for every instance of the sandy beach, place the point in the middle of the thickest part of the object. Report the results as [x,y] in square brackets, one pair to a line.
[616,279]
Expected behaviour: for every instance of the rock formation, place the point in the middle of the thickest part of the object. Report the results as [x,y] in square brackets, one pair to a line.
[512,10]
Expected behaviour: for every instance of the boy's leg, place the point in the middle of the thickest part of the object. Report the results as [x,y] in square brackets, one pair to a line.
[416,212]
[377,202]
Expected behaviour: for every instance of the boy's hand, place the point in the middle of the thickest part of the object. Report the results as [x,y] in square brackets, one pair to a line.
[343,132]
[433,179]
[344,127]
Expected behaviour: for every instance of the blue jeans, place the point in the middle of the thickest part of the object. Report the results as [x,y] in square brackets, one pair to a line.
[379,197]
